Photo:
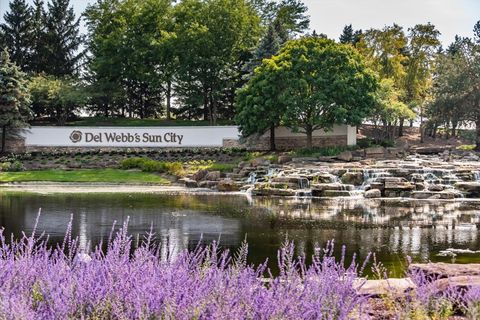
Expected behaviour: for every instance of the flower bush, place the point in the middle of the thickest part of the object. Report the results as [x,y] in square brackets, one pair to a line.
[139,281]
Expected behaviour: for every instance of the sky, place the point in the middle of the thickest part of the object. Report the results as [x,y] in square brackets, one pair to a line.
[451,17]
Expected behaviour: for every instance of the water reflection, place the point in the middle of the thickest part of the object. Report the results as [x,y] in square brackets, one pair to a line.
[392,229]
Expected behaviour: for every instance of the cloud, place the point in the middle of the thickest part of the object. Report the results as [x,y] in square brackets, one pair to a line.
[451,17]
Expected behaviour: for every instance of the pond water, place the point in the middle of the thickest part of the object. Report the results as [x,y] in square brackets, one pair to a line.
[392,229]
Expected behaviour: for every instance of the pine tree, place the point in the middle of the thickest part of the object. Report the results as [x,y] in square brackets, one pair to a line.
[39,51]
[17,32]
[14,98]
[349,35]
[63,39]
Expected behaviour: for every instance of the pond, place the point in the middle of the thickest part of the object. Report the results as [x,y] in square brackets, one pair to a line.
[391,228]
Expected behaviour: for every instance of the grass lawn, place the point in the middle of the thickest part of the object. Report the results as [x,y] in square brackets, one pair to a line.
[94,175]
[127,122]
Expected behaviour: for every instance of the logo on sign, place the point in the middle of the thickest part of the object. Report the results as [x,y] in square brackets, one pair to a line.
[76,136]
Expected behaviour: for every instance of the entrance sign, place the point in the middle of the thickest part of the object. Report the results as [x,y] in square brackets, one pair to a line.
[142,137]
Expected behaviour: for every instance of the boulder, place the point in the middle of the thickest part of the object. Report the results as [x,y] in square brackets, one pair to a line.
[458,283]
[353,177]
[297,182]
[327,189]
[434,195]
[207,184]
[259,162]
[436,187]
[375,152]
[398,184]
[324,178]
[273,192]
[228,185]
[446,270]
[199,175]
[335,193]
[345,156]
[190,183]
[471,189]
[392,286]
[373,193]
[213,176]
[282,159]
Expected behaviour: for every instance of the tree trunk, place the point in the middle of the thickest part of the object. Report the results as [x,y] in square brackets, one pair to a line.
[400,128]
[411,123]
[4,138]
[454,129]
[309,132]
[477,140]
[169,97]
[205,106]
[273,147]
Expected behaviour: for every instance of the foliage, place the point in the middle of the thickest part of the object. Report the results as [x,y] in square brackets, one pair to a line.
[144,281]
[16,33]
[57,98]
[11,166]
[14,98]
[211,165]
[312,84]
[85,175]
[149,165]
[350,36]
[321,151]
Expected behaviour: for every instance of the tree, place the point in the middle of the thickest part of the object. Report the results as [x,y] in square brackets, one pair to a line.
[63,39]
[214,39]
[316,84]
[57,98]
[350,36]
[423,44]
[39,56]
[14,98]
[17,33]
[257,104]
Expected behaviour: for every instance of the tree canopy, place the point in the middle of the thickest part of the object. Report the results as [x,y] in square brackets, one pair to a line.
[314,84]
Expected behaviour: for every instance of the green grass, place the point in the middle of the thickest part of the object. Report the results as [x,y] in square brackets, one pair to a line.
[319,152]
[127,122]
[467,147]
[94,175]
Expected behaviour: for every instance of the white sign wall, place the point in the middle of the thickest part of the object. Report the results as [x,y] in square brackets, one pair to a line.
[154,137]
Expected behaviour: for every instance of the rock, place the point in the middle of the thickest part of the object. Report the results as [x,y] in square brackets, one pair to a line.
[446,270]
[398,184]
[353,177]
[375,152]
[431,150]
[259,162]
[434,195]
[375,288]
[213,176]
[419,186]
[282,159]
[298,182]
[471,189]
[373,193]
[377,185]
[335,193]
[207,184]
[320,190]
[190,183]
[200,175]
[345,156]
[227,185]
[458,283]
[436,187]
[273,192]
[324,178]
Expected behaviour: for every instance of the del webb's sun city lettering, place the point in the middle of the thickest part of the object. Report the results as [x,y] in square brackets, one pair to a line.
[113,137]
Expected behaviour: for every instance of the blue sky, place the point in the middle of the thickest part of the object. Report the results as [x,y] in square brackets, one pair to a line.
[330,16]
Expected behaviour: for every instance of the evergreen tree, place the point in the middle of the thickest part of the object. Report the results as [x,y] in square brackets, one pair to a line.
[14,98]
[350,36]
[17,32]
[63,39]
[38,57]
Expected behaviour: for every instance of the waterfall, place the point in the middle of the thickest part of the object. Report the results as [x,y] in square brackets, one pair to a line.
[252,178]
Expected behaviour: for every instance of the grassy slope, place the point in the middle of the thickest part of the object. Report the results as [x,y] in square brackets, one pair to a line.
[96,175]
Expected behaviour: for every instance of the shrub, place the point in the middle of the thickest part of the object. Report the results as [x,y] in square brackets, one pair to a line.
[149,165]
[14,166]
